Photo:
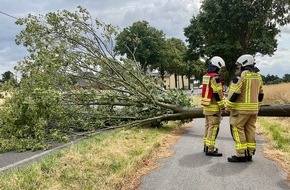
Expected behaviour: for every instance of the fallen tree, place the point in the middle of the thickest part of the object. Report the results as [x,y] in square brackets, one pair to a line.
[72,81]
[274,110]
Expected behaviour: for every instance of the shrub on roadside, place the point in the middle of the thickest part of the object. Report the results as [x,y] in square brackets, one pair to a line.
[27,121]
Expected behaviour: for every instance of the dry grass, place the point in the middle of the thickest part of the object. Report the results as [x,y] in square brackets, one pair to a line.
[277,130]
[150,163]
[115,160]
[277,94]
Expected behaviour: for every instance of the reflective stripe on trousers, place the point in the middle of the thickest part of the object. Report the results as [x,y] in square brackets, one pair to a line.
[211,130]
[244,133]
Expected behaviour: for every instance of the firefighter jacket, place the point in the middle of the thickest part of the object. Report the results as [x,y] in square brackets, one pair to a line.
[212,94]
[245,96]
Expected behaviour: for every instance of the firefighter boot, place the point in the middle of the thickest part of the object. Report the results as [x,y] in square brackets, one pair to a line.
[214,153]
[237,159]
[205,148]
[249,157]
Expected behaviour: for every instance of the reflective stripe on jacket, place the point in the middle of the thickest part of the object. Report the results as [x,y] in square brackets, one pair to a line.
[207,90]
[210,86]
[248,88]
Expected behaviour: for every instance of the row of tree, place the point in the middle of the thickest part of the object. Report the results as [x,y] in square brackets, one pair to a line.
[149,46]
[274,79]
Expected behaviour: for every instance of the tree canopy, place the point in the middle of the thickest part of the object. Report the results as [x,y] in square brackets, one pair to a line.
[141,42]
[230,28]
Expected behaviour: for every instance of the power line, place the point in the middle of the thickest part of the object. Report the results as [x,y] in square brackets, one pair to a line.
[8,15]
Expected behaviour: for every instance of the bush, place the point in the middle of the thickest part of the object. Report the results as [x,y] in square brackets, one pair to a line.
[29,120]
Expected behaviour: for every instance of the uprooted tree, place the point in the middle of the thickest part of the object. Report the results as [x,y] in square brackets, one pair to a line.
[72,81]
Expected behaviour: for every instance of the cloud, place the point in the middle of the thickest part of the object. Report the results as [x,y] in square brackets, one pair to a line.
[168,15]
[285,29]
[171,16]
[279,63]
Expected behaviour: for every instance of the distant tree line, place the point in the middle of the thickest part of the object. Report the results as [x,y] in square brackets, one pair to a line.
[274,79]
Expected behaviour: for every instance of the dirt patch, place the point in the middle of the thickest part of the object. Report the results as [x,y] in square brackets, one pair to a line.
[151,163]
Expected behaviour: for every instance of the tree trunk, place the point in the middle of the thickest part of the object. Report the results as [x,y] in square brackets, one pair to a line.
[188,78]
[275,110]
[182,80]
[265,110]
[175,77]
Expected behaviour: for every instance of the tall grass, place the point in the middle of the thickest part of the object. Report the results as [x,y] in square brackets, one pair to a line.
[277,94]
[277,129]
[108,161]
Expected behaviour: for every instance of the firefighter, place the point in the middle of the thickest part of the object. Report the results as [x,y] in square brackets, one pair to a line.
[233,113]
[212,102]
[244,99]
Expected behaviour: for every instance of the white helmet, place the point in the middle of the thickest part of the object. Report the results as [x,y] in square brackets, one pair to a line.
[217,61]
[245,60]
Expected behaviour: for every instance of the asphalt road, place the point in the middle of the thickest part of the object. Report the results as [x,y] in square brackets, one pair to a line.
[11,160]
[190,169]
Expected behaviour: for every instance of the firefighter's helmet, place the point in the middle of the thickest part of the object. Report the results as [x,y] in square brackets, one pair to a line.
[245,60]
[217,61]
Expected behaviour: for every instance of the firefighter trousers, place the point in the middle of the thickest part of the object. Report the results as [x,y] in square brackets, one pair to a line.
[244,134]
[212,123]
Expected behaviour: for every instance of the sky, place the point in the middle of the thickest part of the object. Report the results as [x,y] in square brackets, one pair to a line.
[170,16]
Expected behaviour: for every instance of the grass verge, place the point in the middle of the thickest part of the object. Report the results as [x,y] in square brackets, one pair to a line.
[114,160]
[277,133]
